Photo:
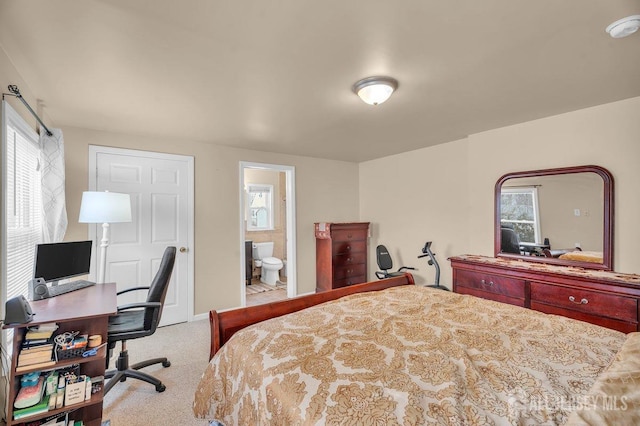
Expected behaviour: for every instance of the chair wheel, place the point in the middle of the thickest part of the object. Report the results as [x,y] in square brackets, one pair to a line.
[161,388]
[166,364]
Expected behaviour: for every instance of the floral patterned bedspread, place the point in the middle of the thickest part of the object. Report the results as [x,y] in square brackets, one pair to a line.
[406,355]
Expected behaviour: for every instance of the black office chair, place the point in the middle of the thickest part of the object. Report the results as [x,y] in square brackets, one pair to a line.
[385,263]
[509,239]
[137,320]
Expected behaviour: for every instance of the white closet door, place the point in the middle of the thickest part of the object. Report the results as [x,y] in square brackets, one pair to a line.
[160,187]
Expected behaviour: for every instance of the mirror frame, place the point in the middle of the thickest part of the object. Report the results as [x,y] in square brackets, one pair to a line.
[607,232]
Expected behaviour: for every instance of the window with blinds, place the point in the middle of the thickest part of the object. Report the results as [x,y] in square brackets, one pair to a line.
[22,201]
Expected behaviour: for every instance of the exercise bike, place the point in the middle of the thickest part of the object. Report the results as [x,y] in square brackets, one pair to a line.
[426,251]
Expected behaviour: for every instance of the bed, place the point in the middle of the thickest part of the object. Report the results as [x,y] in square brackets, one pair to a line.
[583,256]
[405,354]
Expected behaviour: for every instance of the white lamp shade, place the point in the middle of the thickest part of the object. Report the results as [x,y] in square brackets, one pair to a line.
[105,207]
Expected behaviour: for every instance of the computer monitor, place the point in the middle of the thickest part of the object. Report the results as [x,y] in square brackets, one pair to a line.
[58,261]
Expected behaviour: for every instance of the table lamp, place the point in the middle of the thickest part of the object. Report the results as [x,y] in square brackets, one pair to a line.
[104,207]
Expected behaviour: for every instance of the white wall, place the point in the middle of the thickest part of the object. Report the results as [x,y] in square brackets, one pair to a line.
[445,193]
[325,191]
[416,197]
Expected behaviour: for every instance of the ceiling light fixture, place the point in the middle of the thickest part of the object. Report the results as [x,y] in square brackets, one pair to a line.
[375,90]
[624,27]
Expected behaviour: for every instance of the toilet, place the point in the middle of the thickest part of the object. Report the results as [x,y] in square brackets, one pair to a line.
[263,257]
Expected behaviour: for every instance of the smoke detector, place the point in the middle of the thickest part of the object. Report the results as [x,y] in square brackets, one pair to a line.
[624,27]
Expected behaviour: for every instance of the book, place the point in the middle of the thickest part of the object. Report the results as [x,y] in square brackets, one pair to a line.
[52,326]
[31,343]
[40,407]
[34,355]
[34,358]
[40,365]
[42,331]
[57,419]
[37,348]
[38,334]
[33,361]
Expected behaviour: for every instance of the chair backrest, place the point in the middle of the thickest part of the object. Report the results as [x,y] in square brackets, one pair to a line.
[509,241]
[384,258]
[158,288]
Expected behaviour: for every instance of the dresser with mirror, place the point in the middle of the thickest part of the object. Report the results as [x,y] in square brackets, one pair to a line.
[553,249]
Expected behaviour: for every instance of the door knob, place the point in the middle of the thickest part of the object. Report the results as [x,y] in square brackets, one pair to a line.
[183,249]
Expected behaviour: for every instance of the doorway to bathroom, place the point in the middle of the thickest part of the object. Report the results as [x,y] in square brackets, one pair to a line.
[267,232]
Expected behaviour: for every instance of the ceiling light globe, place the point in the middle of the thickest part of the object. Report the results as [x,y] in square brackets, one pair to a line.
[375,90]
[375,94]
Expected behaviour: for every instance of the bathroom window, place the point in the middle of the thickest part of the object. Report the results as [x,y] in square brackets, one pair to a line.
[260,207]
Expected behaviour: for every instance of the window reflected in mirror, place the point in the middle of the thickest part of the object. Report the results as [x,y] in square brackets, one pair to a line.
[519,211]
[259,207]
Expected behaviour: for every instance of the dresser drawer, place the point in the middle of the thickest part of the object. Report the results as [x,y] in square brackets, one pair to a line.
[615,324]
[348,259]
[490,296]
[349,235]
[511,287]
[341,272]
[590,302]
[344,247]
[349,281]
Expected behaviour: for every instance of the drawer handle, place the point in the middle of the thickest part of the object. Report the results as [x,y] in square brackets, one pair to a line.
[348,247]
[490,283]
[350,236]
[584,301]
[348,260]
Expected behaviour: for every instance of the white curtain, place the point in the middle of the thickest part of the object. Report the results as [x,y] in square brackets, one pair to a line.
[54,205]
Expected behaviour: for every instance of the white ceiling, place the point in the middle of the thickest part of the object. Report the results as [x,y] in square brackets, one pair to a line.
[277,75]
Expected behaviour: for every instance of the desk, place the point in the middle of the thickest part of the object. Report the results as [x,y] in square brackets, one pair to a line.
[86,310]
[534,248]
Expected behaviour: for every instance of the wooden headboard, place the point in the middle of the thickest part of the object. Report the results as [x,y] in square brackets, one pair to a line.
[225,324]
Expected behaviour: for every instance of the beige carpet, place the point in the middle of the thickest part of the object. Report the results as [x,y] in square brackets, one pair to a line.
[136,403]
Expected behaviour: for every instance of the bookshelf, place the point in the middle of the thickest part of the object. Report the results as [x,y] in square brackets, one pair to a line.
[86,310]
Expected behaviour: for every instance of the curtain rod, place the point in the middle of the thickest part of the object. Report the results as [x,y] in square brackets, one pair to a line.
[16,92]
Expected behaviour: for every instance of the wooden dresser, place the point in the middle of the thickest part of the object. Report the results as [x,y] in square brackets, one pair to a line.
[341,254]
[605,298]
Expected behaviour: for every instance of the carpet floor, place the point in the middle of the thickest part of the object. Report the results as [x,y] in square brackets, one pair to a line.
[136,403]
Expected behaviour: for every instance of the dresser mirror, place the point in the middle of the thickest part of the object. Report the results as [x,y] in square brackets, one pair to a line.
[558,216]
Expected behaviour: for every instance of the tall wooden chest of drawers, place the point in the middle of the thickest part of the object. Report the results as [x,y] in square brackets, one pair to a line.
[341,254]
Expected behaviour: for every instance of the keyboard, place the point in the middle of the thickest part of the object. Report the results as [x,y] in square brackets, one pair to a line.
[69,287]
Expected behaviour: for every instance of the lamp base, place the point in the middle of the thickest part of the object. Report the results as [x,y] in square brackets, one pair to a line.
[104,243]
